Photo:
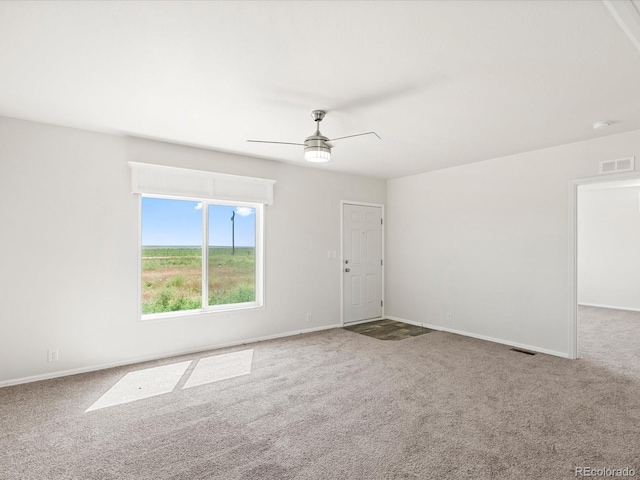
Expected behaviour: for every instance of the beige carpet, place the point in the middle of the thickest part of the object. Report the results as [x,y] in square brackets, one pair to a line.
[329,405]
[610,338]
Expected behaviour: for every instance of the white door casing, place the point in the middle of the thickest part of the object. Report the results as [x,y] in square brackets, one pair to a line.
[362,262]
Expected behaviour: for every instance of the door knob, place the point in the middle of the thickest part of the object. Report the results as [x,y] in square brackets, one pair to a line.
[347,269]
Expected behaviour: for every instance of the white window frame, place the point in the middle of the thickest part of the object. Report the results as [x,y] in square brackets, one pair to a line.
[206,308]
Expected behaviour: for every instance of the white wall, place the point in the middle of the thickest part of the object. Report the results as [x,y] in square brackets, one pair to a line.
[69,245]
[609,247]
[489,242]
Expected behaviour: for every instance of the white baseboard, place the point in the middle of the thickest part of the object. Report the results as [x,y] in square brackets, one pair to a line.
[93,368]
[483,337]
[613,307]
[410,322]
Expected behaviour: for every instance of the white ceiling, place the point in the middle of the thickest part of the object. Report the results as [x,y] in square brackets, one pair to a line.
[443,83]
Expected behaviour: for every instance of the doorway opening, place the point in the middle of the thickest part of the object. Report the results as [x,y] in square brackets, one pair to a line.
[605,288]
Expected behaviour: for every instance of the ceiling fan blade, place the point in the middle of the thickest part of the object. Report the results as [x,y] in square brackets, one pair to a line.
[281,143]
[356,135]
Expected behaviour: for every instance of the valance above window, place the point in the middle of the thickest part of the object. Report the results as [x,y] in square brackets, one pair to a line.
[182,182]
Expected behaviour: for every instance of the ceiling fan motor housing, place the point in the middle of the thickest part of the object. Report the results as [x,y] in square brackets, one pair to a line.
[317,142]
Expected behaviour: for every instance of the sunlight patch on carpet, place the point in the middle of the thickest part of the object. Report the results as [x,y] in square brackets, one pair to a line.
[151,382]
[220,367]
[142,384]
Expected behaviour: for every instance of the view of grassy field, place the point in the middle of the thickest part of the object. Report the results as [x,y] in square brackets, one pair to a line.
[172,277]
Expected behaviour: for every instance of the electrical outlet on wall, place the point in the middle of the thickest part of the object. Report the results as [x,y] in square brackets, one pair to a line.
[449,320]
[308,317]
[53,355]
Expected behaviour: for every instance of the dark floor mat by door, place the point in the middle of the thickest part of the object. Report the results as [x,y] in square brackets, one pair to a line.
[388,330]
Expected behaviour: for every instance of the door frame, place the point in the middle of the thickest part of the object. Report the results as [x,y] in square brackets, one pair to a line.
[573,249]
[360,204]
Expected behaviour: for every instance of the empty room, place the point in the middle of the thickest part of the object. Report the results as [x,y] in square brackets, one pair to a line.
[319,240]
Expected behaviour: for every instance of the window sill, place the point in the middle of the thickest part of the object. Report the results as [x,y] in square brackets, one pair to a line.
[200,312]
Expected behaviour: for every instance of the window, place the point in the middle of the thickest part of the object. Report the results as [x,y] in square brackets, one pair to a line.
[201,239]
[178,274]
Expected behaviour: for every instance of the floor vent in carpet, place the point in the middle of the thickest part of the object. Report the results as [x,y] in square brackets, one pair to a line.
[519,350]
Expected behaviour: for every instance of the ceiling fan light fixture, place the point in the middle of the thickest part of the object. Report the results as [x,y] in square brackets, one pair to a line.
[317,154]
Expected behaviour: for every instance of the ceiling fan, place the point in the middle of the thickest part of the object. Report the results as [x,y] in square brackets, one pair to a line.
[317,148]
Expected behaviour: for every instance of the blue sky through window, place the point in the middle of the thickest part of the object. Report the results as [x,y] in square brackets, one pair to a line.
[167,222]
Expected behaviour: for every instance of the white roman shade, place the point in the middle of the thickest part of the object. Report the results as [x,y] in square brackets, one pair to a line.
[182,182]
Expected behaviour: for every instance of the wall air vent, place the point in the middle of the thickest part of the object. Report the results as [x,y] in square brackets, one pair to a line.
[617,166]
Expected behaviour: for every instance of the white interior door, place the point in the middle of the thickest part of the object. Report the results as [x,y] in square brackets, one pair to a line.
[362,262]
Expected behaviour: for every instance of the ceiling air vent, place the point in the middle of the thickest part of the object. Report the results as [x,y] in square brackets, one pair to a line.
[619,165]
